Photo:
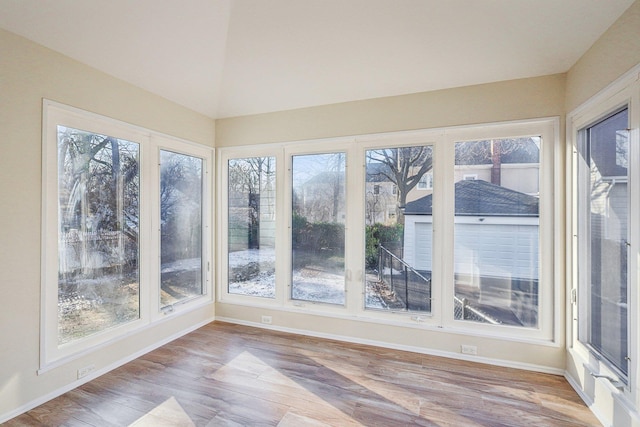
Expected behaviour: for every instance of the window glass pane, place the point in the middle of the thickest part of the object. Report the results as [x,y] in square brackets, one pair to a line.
[181,227]
[399,228]
[252,226]
[98,217]
[318,219]
[604,198]
[496,234]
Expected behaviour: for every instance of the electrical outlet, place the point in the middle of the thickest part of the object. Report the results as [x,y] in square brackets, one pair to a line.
[468,349]
[267,320]
[83,372]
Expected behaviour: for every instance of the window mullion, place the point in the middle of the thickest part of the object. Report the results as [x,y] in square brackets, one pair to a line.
[444,189]
[150,231]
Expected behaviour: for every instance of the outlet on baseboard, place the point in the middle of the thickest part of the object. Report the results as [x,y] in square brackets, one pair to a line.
[469,349]
[83,372]
[267,320]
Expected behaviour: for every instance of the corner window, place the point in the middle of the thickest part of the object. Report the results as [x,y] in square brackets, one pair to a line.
[106,270]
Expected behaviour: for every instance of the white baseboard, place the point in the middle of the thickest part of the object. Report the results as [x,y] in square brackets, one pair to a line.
[585,398]
[384,344]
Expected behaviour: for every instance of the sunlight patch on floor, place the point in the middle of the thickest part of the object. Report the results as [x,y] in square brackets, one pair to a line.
[167,414]
[253,376]
[388,390]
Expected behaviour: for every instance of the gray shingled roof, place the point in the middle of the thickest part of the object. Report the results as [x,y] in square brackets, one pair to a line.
[481,198]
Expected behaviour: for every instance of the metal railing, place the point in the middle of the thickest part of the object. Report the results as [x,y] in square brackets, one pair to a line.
[408,284]
[464,311]
[414,289]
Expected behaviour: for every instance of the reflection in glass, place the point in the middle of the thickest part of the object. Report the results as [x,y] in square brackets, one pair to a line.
[399,224]
[252,226]
[604,206]
[180,227]
[317,232]
[98,218]
[496,237]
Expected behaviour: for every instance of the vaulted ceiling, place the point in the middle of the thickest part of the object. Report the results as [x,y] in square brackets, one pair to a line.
[227,58]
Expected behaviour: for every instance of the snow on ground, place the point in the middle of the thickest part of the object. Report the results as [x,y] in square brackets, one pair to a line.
[262,255]
[308,284]
[181,265]
[318,286]
[263,285]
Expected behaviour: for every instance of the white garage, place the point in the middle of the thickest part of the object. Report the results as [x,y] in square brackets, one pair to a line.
[496,233]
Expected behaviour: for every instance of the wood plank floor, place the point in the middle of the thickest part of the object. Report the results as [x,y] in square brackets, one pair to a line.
[231,375]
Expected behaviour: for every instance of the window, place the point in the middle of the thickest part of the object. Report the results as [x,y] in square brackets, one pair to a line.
[105,270]
[603,238]
[251,226]
[181,227]
[398,258]
[98,273]
[496,238]
[360,238]
[317,228]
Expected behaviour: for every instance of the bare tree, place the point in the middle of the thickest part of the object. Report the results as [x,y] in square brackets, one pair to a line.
[404,167]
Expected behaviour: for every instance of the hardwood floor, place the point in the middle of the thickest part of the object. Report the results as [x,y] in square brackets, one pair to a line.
[231,375]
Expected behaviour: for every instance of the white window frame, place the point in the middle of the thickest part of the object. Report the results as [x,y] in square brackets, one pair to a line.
[224,155]
[443,141]
[548,329]
[625,92]
[51,354]
[337,145]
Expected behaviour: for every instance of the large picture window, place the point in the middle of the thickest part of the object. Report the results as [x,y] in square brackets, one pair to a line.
[106,269]
[317,228]
[98,268]
[496,237]
[449,228]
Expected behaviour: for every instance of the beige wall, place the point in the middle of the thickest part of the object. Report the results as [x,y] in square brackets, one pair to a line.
[511,100]
[616,52]
[28,73]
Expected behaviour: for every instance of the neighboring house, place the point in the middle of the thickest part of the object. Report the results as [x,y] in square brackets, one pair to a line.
[517,167]
[496,233]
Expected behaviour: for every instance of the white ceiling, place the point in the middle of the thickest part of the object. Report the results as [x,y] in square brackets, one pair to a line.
[227,58]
